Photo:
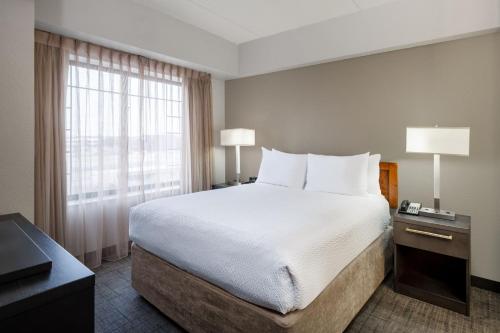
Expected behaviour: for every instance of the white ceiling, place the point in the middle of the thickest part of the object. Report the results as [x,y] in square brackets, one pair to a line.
[380,26]
[241,21]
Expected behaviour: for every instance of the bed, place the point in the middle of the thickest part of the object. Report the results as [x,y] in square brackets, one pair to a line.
[263,258]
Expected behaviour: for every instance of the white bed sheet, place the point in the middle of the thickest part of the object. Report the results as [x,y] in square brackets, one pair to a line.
[273,246]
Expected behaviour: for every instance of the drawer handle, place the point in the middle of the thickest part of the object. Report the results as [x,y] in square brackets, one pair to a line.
[431,234]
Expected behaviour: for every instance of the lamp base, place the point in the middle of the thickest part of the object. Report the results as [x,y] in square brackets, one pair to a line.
[437,213]
[235,183]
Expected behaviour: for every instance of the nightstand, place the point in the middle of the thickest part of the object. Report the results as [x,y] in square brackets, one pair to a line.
[432,260]
[224,185]
[221,185]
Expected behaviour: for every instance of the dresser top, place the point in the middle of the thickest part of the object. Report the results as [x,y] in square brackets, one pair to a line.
[67,275]
[460,224]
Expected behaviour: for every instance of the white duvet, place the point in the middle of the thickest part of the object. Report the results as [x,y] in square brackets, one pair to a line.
[273,246]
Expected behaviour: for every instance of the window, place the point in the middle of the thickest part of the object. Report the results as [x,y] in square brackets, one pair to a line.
[124,133]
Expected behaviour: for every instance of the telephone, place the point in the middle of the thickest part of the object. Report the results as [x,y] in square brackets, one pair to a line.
[411,208]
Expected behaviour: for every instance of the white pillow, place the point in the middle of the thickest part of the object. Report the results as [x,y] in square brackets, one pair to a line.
[297,164]
[265,164]
[374,174]
[338,174]
[283,169]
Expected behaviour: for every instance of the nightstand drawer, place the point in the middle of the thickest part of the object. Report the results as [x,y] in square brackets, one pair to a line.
[432,239]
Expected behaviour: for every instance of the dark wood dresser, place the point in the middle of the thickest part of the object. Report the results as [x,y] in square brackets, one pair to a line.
[60,300]
[432,260]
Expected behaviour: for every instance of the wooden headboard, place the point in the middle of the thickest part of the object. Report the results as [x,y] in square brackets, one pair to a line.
[389,182]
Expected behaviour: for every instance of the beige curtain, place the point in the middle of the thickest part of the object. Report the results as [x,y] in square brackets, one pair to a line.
[50,178]
[125,129]
[199,96]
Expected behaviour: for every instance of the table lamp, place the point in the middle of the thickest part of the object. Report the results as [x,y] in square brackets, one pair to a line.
[237,137]
[438,141]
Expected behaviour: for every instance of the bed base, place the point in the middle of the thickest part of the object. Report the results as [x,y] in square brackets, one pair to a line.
[199,306]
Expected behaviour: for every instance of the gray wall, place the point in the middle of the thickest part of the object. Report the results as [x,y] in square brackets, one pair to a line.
[17,19]
[365,104]
[219,157]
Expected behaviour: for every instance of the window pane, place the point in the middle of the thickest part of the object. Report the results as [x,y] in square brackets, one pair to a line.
[176,109]
[93,79]
[81,77]
[117,83]
[134,86]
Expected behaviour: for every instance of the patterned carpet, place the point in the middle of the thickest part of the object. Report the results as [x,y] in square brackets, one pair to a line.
[120,309]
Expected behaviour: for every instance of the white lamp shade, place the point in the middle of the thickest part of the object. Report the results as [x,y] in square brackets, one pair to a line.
[438,140]
[237,137]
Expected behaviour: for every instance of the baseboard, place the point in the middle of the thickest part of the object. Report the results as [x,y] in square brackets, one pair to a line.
[483,283]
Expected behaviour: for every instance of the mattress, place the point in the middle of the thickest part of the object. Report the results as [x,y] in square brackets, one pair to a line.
[272,246]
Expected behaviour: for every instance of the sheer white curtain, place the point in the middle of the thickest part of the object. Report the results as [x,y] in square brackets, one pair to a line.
[113,130]
[127,141]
